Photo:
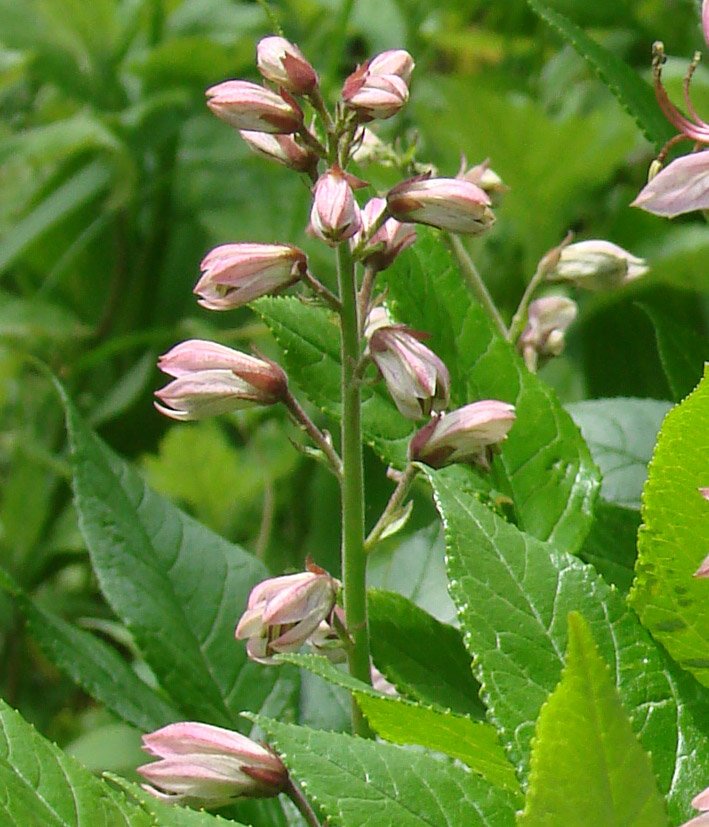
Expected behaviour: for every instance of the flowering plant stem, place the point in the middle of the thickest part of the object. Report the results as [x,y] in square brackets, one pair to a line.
[354,560]
[476,284]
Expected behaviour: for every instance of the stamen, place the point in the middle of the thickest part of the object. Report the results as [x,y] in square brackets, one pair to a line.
[685,87]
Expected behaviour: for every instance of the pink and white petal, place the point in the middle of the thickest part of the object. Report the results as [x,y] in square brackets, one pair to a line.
[681,187]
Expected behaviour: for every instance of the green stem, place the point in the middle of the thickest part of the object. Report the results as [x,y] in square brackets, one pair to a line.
[476,284]
[394,504]
[520,317]
[300,801]
[354,561]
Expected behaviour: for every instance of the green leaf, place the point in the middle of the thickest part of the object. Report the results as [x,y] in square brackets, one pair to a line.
[178,587]
[405,722]
[611,544]
[545,466]
[621,434]
[674,536]
[354,781]
[633,94]
[472,742]
[682,351]
[85,185]
[40,786]
[416,569]
[97,668]
[310,339]
[514,594]
[33,320]
[424,658]
[587,765]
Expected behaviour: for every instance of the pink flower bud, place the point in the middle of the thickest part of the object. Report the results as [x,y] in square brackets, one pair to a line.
[448,203]
[207,766]
[249,106]
[681,187]
[387,242]
[211,379]
[283,149]
[335,215]
[487,179]
[283,63]
[548,320]
[374,95]
[597,265]
[284,612]
[700,802]
[235,274]
[416,378]
[393,62]
[467,435]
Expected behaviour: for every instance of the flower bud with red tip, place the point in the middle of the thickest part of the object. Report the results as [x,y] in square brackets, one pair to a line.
[416,378]
[283,149]
[467,435]
[374,96]
[246,105]
[235,274]
[282,62]
[448,203]
[211,379]
[282,613]
[392,62]
[206,766]
[335,214]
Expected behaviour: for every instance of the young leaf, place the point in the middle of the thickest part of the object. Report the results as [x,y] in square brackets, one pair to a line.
[587,766]
[514,594]
[40,786]
[545,466]
[423,658]
[682,351]
[178,587]
[674,538]
[620,433]
[354,781]
[633,94]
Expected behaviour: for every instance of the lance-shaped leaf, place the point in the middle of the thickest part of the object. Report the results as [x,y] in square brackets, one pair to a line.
[177,586]
[40,786]
[354,781]
[587,765]
[674,538]
[514,594]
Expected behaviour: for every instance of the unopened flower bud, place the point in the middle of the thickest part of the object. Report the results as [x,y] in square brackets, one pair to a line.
[283,149]
[335,214]
[249,106]
[467,435]
[235,274]
[283,613]
[387,242]
[448,203]
[487,179]
[597,265]
[283,63]
[416,378]
[211,379]
[393,62]
[548,319]
[374,95]
[206,766]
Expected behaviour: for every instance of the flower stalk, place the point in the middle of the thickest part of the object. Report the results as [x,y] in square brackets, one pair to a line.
[354,560]
[406,478]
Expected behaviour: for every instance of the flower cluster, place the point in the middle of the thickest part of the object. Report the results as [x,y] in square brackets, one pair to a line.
[683,186]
